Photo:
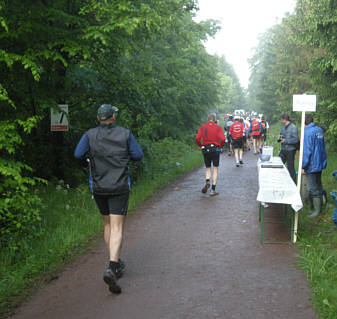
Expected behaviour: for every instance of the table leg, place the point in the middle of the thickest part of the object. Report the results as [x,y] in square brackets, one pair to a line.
[292,225]
[261,221]
[285,207]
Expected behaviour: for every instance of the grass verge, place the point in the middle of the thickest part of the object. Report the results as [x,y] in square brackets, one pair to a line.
[317,241]
[71,224]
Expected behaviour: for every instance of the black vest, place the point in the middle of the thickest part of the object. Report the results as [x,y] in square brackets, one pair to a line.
[109,156]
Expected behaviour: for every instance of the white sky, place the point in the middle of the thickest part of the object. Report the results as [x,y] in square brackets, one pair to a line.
[242,21]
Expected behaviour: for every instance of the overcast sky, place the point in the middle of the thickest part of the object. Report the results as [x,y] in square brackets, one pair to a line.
[242,21]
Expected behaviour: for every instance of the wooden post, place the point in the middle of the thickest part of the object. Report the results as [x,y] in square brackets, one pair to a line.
[299,175]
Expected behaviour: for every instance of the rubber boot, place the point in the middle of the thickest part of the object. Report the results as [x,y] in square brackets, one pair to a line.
[317,203]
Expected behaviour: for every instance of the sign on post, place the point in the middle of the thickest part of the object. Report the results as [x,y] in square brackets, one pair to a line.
[302,103]
[59,118]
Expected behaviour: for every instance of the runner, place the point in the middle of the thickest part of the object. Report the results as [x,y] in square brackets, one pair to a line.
[265,126]
[256,131]
[229,141]
[248,136]
[110,147]
[236,131]
[217,118]
[211,139]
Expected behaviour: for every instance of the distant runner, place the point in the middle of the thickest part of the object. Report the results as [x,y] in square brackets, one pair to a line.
[256,131]
[211,139]
[265,126]
[248,136]
[229,141]
[110,148]
[237,131]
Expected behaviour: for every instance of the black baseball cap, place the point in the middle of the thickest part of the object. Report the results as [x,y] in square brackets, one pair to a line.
[106,111]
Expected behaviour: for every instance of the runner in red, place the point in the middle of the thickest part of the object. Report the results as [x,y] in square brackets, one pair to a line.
[211,139]
[237,131]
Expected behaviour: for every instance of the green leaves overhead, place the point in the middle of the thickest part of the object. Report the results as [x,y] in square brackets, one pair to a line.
[297,56]
[144,56]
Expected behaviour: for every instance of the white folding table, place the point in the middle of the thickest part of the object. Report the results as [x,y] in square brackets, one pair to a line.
[276,186]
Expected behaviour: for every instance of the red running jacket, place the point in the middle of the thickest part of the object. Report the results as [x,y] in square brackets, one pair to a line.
[236,130]
[210,133]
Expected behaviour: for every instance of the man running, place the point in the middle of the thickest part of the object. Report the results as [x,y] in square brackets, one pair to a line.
[248,136]
[211,139]
[256,131]
[265,126]
[237,131]
[229,141]
[110,148]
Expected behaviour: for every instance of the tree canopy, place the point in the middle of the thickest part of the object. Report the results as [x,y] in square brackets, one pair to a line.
[298,56]
[145,57]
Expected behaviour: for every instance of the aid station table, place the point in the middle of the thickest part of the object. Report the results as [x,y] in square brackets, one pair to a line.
[277,187]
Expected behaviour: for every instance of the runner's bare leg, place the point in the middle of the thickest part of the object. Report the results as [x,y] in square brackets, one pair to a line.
[254,145]
[236,152]
[241,153]
[106,221]
[116,236]
[215,175]
[208,173]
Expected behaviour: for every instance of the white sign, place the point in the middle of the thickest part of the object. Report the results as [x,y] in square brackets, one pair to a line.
[59,118]
[304,103]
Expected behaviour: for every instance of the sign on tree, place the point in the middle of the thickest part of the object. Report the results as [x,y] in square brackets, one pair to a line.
[59,118]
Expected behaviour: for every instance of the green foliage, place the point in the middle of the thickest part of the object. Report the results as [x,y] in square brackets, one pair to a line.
[19,208]
[296,57]
[231,94]
[146,57]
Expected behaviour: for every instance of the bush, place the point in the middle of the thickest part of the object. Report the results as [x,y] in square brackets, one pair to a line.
[19,207]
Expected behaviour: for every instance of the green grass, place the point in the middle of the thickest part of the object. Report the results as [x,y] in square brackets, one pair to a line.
[317,241]
[71,224]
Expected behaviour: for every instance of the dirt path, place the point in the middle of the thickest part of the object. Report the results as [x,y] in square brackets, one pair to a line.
[188,256]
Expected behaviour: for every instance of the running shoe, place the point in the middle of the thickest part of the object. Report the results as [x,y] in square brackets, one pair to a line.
[213,193]
[119,271]
[237,164]
[121,263]
[110,278]
[241,162]
[205,188]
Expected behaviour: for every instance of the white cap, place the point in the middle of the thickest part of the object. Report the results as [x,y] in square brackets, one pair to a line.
[236,117]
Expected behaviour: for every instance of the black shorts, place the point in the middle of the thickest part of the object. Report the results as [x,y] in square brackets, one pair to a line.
[238,143]
[256,137]
[212,158]
[112,204]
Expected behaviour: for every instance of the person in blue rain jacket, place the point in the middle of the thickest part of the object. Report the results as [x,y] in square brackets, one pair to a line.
[314,162]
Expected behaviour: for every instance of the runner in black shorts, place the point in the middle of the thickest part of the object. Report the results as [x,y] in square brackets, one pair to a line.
[210,139]
[213,158]
[110,148]
[116,205]
[238,143]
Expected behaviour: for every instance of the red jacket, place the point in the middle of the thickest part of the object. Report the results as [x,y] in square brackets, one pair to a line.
[210,133]
[236,130]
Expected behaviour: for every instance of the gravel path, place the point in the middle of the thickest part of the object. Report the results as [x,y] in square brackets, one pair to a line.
[188,256]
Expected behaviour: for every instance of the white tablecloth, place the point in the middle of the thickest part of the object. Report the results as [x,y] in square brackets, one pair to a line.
[276,186]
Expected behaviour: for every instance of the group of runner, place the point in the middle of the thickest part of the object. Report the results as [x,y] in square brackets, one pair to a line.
[110,148]
[254,130]
[240,132]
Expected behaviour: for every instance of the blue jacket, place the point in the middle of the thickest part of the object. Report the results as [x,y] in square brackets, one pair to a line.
[314,155]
